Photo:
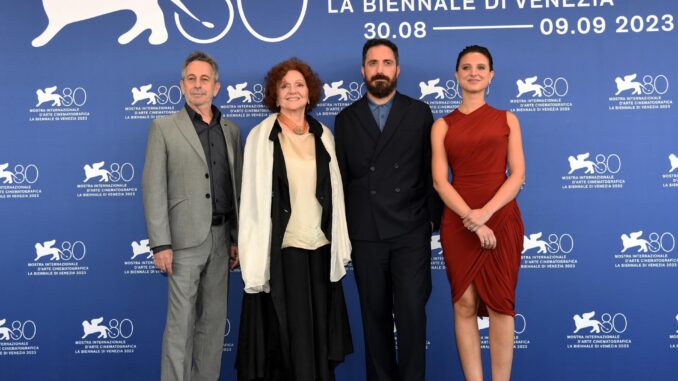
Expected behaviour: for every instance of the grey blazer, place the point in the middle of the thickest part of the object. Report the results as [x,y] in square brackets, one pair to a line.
[174,183]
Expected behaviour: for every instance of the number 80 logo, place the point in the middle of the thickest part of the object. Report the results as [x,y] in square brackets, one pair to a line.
[20,330]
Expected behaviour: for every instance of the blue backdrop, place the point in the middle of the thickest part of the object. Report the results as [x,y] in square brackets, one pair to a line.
[590,80]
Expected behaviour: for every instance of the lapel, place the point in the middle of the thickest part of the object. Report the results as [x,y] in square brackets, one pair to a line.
[367,119]
[395,115]
[185,126]
[228,137]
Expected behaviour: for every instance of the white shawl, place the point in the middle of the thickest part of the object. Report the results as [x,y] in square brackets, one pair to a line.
[254,225]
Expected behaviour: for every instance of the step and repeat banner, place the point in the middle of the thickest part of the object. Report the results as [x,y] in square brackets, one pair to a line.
[592,82]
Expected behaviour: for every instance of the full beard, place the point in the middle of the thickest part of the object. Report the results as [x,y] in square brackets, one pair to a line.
[381,89]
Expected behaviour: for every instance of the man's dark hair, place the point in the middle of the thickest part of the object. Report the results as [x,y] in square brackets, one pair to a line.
[380,41]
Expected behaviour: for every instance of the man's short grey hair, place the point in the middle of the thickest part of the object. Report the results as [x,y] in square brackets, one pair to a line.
[204,57]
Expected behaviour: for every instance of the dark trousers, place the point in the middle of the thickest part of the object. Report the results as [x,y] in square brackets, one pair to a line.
[394,282]
[307,295]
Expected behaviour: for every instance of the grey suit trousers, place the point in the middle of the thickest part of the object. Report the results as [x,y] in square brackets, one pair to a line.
[193,341]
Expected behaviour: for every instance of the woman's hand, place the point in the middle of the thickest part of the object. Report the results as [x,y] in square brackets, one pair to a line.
[475,218]
[487,239]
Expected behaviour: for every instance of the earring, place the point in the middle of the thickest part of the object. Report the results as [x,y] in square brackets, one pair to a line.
[487,92]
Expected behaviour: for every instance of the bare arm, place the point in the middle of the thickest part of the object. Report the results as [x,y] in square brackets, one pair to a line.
[509,190]
[433,201]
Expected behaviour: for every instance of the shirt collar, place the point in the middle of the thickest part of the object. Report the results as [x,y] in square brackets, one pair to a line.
[374,106]
[216,114]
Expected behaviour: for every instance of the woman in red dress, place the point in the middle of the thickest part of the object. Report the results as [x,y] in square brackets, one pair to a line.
[482,230]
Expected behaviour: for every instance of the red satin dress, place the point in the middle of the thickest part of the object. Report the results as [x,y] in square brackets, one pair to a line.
[476,145]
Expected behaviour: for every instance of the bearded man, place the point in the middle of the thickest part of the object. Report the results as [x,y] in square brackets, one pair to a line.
[383,144]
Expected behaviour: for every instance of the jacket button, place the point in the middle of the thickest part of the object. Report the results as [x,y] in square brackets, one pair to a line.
[373,192]
[207,195]
[396,166]
[286,211]
[372,169]
[397,190]
[207,175]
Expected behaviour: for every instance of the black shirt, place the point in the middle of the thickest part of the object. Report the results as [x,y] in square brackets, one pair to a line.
[214,145]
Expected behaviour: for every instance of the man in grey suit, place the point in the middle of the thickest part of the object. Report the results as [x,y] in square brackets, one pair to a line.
[191,188]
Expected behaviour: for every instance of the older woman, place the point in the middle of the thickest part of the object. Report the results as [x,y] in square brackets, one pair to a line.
[293,238]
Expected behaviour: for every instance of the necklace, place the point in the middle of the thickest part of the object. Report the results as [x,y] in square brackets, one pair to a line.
[298,129]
